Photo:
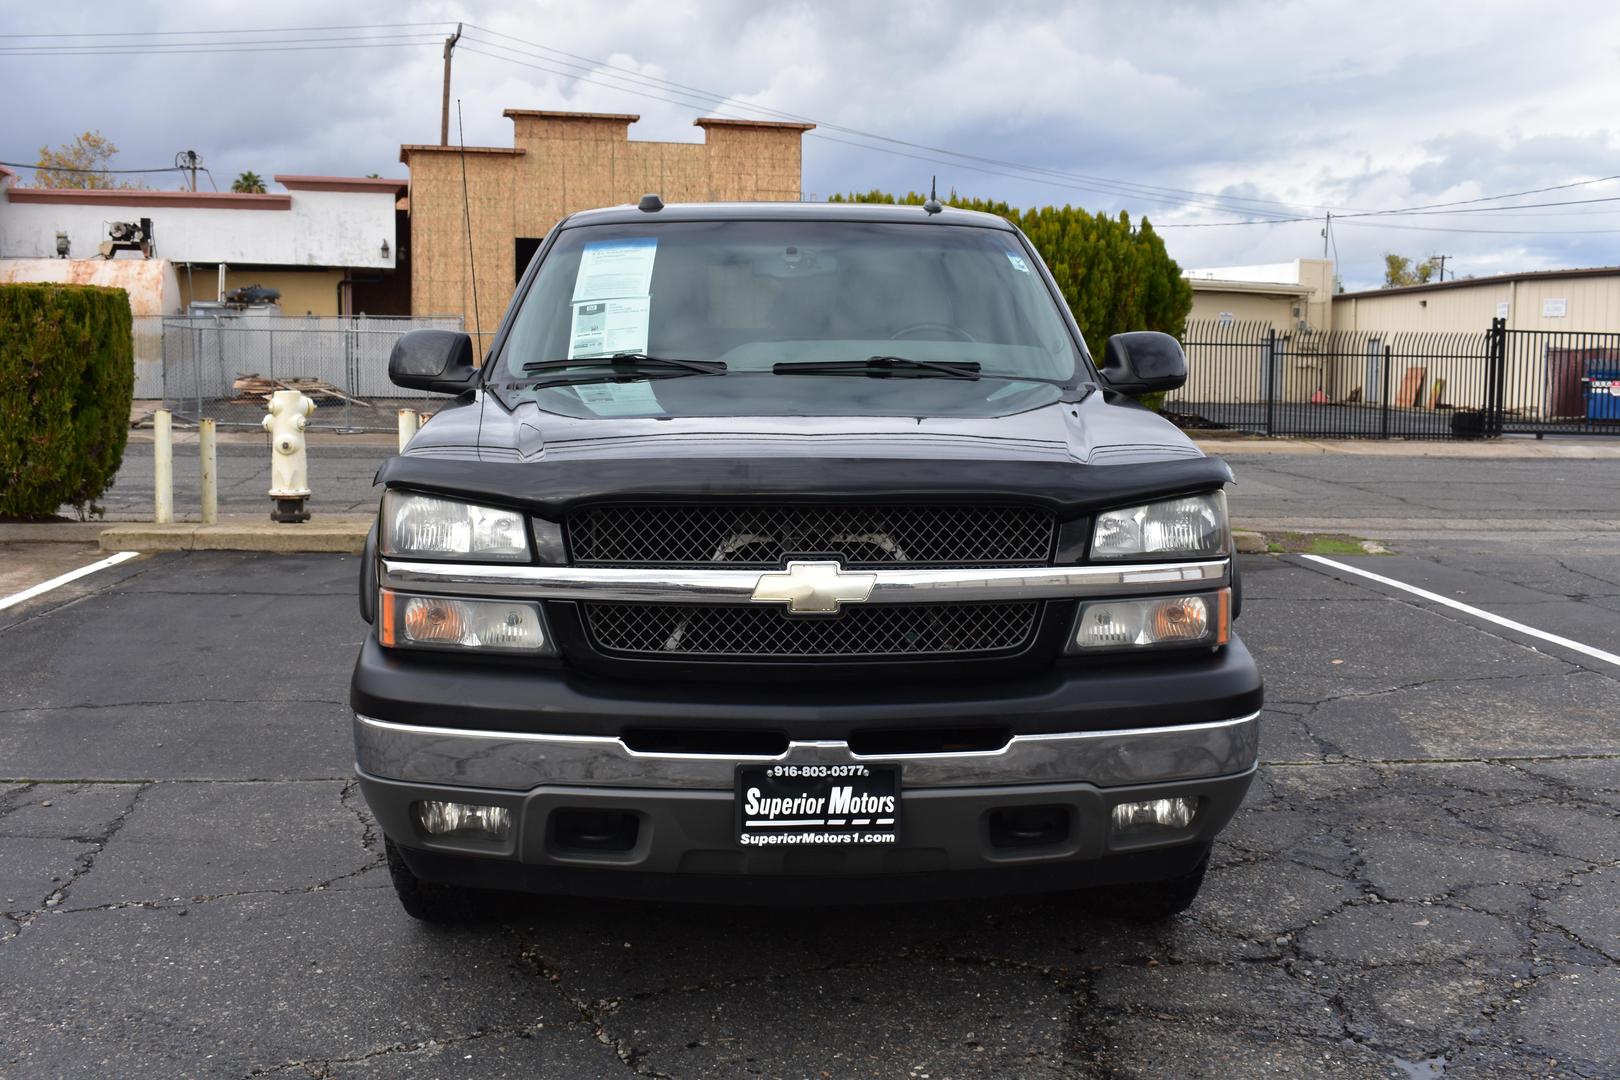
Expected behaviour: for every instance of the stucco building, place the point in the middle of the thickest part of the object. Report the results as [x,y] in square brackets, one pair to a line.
[329,245]
[319,242]
[558,163]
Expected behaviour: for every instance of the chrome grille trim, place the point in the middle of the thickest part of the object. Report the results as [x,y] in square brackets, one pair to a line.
[675,586]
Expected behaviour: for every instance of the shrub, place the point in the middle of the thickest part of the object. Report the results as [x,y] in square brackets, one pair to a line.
[67,373]
[1115,277]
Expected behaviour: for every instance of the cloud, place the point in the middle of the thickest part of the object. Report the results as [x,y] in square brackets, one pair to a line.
[1310,104]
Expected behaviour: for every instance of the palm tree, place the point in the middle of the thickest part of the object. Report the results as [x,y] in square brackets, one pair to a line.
[249,183]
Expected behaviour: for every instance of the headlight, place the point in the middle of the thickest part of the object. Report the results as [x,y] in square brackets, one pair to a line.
[1163,621]
[443,622]
[448,529]
[1192,525]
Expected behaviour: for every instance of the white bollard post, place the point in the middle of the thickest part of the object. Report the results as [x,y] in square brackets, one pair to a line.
[407,427]
[210,473]
[162,468]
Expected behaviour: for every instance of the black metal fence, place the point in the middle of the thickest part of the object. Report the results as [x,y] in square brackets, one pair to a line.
[1249,377]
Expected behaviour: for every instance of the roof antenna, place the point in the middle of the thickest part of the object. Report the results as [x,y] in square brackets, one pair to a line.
[932,205]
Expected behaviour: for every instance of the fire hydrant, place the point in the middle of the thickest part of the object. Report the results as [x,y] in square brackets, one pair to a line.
[289,469]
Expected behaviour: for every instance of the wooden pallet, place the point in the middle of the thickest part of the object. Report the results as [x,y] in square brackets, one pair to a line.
[255,387]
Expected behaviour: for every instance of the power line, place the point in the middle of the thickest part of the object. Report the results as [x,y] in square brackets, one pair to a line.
[1455,229]
[1419,211]
[222,49]
[645,85]
[1060,179]
[1122,186]
[64,168]
[661,89]
[188,46]
[1096,187]
[261,30]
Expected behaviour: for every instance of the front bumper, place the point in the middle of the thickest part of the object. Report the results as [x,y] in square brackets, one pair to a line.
[685,844]
[685,847]
[519,761]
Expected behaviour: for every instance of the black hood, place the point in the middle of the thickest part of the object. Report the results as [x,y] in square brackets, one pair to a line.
[1071,456]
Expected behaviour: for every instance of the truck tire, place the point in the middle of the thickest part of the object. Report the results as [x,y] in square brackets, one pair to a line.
[432,902]
[1147,901]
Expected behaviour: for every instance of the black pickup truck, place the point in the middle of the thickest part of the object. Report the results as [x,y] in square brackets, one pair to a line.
[788,552]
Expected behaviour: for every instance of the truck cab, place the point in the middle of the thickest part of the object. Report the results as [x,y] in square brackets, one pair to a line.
[805,553]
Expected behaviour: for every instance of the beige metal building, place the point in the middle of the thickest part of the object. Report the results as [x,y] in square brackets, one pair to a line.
[1279,333]
[1568,300]
[561,162]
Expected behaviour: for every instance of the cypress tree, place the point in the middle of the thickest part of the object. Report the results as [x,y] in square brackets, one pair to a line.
[1114,276]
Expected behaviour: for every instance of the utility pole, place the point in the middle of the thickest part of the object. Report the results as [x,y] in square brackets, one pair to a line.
[444,109]
[1441,260]
[1327,227]
[188,159]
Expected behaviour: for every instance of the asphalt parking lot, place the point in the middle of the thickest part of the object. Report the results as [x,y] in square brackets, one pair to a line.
[1425,880]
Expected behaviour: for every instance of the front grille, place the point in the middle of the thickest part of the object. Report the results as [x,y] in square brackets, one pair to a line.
[755,632]
[856,535]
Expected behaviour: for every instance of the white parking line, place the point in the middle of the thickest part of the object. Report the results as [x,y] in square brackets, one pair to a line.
[1584,650]
[72,575]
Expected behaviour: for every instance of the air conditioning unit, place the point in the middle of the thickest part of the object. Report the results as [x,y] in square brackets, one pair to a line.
[128,236]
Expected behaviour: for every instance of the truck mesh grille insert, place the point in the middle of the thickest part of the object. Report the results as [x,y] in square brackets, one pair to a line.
[858,535]
[685,631]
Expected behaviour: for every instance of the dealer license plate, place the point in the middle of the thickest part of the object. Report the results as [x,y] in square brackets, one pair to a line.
[817,805]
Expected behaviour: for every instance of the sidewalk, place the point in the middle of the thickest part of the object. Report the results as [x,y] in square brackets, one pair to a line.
[1512,446]
[1379,490]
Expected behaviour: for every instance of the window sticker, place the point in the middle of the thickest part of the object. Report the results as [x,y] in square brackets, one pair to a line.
[610,269]
[609,327]
[619,398]
[1018,263]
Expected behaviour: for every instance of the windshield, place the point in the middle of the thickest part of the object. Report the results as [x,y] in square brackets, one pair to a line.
[757,294]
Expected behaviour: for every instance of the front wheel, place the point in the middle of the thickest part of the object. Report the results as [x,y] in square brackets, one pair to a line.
[432,902]
[1147,901]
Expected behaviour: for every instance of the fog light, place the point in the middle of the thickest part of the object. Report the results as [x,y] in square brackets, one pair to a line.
[1133,817]
[464,819]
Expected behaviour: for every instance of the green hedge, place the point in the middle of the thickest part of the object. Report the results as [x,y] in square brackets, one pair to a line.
[1116,276]
[67,373]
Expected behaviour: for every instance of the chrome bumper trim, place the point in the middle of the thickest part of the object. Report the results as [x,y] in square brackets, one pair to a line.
[737,586]
[520,761]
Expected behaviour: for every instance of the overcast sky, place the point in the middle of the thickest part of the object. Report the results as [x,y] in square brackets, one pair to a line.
[1298,107]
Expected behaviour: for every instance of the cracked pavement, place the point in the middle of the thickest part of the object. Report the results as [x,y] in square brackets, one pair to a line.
[1424,881]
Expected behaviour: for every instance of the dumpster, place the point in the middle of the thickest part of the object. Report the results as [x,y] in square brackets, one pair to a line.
[1602,389]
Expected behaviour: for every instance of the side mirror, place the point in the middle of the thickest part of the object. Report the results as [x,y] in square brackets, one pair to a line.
[436,360]
[1143,362]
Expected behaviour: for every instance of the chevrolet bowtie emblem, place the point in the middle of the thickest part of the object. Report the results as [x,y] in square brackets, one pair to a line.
[809,588]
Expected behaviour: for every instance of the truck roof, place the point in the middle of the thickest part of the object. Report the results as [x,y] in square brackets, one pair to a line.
[786,211]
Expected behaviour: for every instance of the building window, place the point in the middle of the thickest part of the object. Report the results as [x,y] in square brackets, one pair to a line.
[526,247]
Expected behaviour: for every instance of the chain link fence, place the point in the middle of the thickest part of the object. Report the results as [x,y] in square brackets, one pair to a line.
[224,367]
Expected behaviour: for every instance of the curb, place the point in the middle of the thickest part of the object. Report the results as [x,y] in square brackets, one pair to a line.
[344,534]
[340,533]
[1249,543]
[52,532]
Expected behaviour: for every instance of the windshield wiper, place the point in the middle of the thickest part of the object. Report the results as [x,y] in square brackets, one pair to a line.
[630,362]
[879,366]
